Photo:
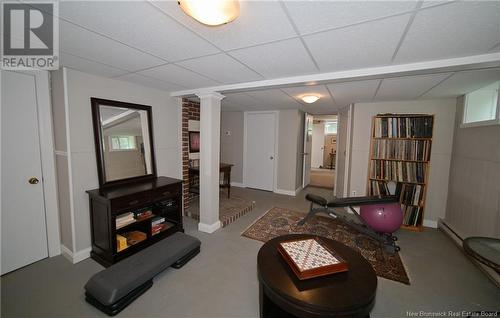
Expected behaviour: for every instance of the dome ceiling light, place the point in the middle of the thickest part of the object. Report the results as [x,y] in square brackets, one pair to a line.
[310,98]
[211,12]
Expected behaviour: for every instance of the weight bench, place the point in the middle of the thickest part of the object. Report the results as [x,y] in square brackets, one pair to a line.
[114,288]
[387,240]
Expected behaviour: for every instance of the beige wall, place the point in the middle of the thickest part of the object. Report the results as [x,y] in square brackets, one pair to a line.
[444,111]
[474,188]
[232,145]
[290,141]
[79,88]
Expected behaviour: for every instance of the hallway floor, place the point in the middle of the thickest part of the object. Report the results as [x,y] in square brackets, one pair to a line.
[221,282]
[323,178]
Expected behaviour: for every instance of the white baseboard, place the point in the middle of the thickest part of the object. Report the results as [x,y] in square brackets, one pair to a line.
[298,190]
[430,223]
[209,228]
[285,192]
[75,257]
[237,184]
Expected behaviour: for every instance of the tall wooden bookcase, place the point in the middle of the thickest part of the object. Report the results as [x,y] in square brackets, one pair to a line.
[400,151]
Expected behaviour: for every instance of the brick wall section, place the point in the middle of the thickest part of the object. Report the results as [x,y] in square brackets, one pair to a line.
[190,111]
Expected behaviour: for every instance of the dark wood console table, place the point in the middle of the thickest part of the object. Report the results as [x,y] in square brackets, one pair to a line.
[282,294]
[160,195]
[225,168]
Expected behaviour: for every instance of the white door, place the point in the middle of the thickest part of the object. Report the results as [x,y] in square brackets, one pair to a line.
[318,145]
[260,142]
[24,236]
[306,168]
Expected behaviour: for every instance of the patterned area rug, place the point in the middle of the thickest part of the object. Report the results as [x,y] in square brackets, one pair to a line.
[280,221]
[229,209]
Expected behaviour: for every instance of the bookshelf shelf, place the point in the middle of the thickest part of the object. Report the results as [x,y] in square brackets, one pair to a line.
[400,151]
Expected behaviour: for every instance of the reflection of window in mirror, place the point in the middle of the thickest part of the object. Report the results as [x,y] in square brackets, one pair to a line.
[118,143]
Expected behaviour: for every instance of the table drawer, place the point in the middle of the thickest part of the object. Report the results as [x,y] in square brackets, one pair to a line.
[130,202]
[166,192]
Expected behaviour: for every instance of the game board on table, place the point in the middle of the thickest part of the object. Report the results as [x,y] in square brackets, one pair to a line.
[311,258]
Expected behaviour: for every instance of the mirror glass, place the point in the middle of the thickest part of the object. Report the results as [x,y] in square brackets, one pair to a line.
[125,144]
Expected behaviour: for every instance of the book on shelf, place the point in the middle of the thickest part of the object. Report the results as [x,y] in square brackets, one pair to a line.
[143,214]
[411,215]
[396,149]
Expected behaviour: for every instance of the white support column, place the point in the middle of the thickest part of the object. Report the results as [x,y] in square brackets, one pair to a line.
[209,161]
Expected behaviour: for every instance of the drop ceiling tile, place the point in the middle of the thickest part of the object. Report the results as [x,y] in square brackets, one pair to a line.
[150,82]
[453,30]
[88,66]
[178,76]
[313,16]
[353,92]
[139,24]
[239,99]
[463,82]
[279,59]
[222,68]
[259,22]
[408,87]
[364,45]
[325,100]
[89,45]
[274,99]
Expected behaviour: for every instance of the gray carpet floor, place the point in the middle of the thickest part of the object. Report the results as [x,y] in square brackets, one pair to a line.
[222,280]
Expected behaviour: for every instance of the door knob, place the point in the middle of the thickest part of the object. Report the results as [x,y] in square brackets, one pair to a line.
[271,157]
[33,180]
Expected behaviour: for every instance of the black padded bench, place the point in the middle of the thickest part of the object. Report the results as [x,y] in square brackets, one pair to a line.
[117,286]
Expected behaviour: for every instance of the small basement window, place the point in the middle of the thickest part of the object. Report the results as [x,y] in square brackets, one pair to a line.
[122,143]
[330,128]
[481,106]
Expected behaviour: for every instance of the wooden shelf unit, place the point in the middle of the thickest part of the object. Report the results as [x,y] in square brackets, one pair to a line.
[161,195]
[400,148]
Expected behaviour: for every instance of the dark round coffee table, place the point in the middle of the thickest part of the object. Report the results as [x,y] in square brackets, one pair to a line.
[282,294]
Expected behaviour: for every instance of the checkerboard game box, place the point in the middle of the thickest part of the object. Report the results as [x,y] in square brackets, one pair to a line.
[311,258]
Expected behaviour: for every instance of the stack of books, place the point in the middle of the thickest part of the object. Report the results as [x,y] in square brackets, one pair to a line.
[143,214]
[159,224]
[124,219]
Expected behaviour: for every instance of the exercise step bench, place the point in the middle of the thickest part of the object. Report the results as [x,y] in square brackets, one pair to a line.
[114,288]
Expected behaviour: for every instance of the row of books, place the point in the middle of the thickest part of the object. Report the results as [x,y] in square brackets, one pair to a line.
[418,150]
[411,215]
[403,127]
[379,188]
[411,194]
[397,171]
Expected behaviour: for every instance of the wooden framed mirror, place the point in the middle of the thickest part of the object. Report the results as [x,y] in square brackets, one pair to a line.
[123,135]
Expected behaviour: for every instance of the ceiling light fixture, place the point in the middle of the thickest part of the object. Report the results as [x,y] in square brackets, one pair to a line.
[211,12]
[310,98]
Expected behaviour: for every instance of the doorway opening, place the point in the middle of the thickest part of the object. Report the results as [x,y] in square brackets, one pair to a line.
[323,151]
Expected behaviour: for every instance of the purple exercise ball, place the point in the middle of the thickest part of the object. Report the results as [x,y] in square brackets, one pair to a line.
[384,218]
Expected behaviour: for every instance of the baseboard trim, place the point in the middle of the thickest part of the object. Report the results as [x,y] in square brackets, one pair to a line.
[297,191]
[458,240]
[209,228]
[75,257]
[285,192]
[430,223]
[237,184]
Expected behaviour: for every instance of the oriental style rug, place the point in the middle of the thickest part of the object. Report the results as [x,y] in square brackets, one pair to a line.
[280,221]
[230,209]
